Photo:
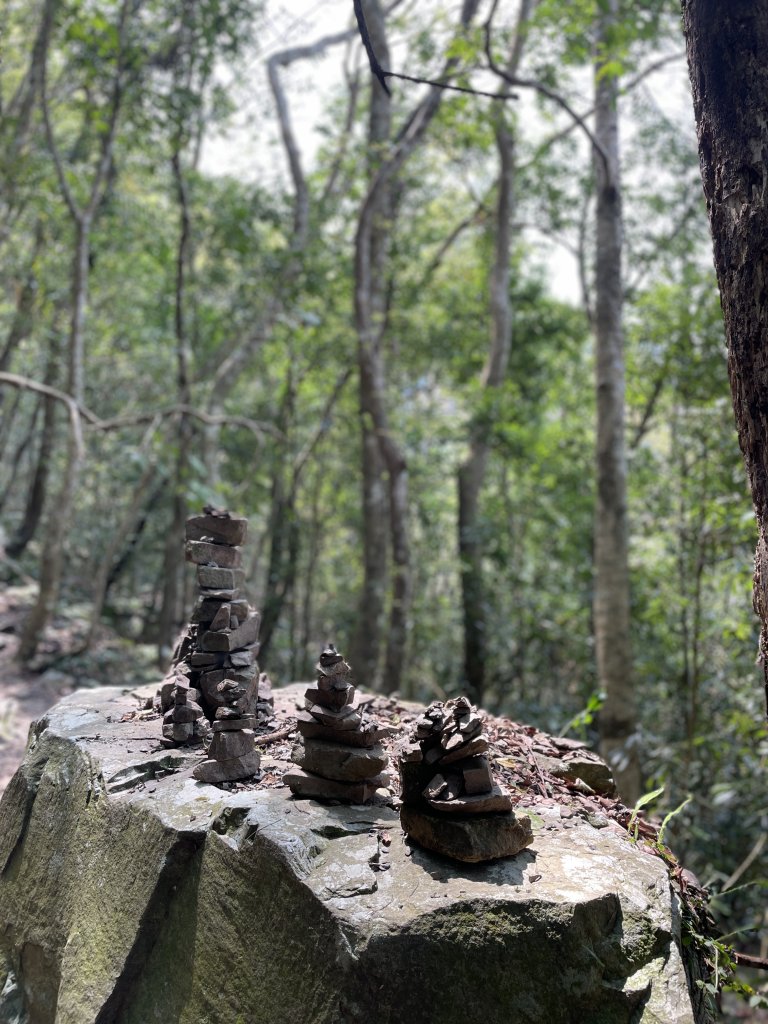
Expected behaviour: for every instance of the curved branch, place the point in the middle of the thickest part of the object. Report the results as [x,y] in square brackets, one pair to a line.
[81,413]
[543,90]
[76,412]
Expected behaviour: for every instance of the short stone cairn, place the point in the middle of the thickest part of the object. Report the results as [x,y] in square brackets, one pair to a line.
[216,658]
[450,803]
[339,755]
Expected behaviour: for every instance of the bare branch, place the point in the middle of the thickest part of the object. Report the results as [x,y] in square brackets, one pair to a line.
[376,68]
[325,421]
[76,413]
[452,88]
[650,405]
[353,84]
[66,191]
[542,89]
[627,88]
[80,413]
[476,217]
[256,427]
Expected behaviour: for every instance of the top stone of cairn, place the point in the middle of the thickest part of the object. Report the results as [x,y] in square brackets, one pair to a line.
[217,526]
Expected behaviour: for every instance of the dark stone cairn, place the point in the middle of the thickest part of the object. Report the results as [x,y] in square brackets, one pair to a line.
[339,755]
[216,659]
[450,803]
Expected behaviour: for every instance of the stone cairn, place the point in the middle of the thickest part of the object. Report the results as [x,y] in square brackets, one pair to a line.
[450,803]
[339,755]
[215,660]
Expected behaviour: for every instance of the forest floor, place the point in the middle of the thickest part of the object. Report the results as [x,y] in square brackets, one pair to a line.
[61,666]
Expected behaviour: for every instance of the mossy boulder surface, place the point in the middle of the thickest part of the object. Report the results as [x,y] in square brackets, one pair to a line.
[132,894]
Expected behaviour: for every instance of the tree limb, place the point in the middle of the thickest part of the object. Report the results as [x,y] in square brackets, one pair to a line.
[76,413]
[80,413]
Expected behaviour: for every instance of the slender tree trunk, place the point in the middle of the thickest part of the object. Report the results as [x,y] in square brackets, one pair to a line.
[370,299]
[20,109]
[171,613]
[727,48]
[126,527]
[35,503]
[23,318]
[372,242]
[21,448]
[60,516]
[619,742]
[130,544]
[314,548]
[471,473]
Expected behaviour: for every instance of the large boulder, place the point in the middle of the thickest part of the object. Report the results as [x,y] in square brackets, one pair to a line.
[132,894]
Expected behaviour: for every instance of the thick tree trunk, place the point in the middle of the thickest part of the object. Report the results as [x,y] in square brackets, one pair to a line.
[728,64]
[618,717]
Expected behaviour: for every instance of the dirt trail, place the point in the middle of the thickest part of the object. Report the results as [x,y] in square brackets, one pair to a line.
[27,693]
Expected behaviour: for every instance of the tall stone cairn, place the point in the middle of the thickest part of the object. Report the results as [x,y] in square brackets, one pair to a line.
[450,803]
[216,657]
[339,755]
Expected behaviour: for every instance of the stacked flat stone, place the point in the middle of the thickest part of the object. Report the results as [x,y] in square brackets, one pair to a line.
[223,661]
[183,719]
[215,660]
[339,755]
[450,802]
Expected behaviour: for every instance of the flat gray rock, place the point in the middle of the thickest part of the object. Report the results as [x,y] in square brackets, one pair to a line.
[468,839]
[339,761]
[130,893]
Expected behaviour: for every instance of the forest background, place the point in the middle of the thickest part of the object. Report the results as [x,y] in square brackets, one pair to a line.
[385,328]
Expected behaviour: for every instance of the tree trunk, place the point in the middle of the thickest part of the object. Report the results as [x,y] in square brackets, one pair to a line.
[727,48]
[619,743]
[471,473]
[60,516]
[370,288]
[126,527]
[35,503]
[21,109]
[372,241]
[23,318]
[171,613]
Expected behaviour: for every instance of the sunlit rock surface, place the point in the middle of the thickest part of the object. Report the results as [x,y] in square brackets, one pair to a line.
[131,893]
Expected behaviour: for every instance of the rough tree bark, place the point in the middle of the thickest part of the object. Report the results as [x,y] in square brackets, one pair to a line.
[618,717]
[471,473]
[728,64]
